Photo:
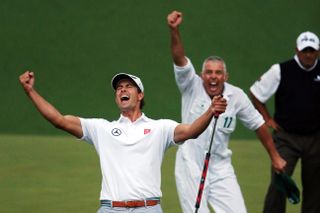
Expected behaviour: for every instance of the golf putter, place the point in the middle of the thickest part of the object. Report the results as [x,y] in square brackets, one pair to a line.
[205,166]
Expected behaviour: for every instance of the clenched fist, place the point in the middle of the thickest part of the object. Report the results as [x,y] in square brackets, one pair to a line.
[174,19]
[27,81]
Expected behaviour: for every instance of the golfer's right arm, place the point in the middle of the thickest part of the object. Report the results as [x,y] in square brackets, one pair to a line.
[184,132]
[174,19]
[68,123]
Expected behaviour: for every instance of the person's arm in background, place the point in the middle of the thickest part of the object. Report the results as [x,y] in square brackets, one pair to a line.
[174,20]
[262,108]
[262,90]
[68,123]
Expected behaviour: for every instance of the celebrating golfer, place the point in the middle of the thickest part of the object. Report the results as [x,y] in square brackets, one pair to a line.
[221,190]
[131,148]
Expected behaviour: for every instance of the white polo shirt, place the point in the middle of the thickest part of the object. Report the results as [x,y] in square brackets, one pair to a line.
[269,82]
[130,154]
[195,101]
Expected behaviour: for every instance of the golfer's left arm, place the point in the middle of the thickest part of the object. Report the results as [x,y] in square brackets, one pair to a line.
[187,131]
[278,163]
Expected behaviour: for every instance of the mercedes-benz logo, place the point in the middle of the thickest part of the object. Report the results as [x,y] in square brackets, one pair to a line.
[116,132]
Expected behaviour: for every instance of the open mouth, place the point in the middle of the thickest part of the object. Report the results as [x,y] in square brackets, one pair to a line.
[213,85]
[124,98]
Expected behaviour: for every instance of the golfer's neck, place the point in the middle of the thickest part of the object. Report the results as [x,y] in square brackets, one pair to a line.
[132,115]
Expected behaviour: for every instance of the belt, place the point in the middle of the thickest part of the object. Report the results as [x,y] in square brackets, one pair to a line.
[130,203]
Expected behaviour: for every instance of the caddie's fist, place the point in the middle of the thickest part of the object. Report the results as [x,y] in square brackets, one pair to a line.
[174,19]
[219,105]
[27,80]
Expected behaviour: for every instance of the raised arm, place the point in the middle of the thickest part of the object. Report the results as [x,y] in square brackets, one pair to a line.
[187,131]
[174,19]
[278,163]
[68,123]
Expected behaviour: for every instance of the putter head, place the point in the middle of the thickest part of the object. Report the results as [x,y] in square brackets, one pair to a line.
[287,186]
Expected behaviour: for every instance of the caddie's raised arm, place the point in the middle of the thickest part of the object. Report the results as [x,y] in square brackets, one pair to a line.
[187,131]
[174,20]
[68,123]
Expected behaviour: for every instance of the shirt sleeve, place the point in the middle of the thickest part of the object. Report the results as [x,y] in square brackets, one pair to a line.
[184,75]
[88,129]
[267,85]
[169,127]
[248,114]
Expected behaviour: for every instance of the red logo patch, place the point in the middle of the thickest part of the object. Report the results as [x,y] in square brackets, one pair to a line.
[146,131]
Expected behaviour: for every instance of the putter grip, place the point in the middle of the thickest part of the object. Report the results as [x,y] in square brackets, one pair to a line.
[217,113]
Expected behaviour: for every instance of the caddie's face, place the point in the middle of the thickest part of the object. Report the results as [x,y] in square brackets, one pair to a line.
[214,75]
[127,95]
[307,56]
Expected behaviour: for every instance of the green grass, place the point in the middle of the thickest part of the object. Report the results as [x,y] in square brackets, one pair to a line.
[61,174]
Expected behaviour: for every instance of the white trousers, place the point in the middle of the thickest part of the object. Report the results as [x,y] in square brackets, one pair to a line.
[148,209]
[223,194]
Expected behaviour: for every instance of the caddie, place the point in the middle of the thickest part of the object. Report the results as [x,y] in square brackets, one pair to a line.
[222,191]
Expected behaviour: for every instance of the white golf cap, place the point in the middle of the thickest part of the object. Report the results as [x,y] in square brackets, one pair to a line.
[121,76]
[307,39]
